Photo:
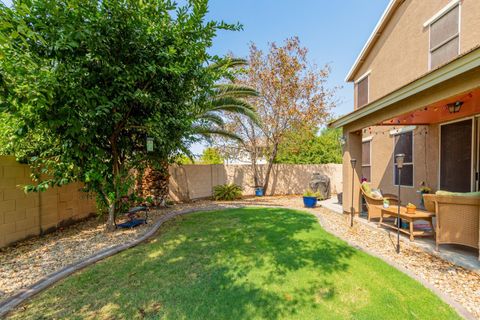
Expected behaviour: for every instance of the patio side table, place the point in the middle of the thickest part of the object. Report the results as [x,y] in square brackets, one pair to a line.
[411,218]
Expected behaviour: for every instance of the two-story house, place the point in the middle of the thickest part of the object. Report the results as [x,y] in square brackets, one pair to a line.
[417,92]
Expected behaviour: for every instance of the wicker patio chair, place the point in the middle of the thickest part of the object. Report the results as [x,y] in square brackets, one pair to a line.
[457,219]
[374,205]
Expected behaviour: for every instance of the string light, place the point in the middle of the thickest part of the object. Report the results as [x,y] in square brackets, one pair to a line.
[418,132]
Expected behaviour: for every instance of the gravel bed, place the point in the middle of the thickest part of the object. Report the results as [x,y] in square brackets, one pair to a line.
[28,261]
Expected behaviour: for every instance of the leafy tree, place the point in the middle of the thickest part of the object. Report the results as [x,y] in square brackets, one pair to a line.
[293,95]
[211,156]
[306,147]
[85,82]
[182,159]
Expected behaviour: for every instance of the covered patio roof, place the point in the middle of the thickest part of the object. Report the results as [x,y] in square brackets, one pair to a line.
[438,112]
[456,80]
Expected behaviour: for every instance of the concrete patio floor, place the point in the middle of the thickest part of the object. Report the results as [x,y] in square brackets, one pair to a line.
[459,255]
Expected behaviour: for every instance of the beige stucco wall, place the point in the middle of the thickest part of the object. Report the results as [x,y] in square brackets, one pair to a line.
[190,182]
[23,215]
[425,160]
[400,56]
[401,53]
[353,133]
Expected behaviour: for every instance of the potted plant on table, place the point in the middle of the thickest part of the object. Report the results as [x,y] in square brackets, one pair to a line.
[423,190]
[310,198]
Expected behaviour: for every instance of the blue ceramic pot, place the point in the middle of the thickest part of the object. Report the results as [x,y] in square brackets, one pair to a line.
[259,191]
[309,202]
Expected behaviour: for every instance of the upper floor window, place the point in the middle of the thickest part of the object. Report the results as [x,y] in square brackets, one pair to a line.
[445,36]
[362,91]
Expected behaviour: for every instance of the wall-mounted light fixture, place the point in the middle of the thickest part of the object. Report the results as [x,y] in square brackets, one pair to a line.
[454,107]
[343,140]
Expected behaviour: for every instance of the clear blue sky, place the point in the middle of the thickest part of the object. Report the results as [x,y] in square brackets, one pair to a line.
[334,32]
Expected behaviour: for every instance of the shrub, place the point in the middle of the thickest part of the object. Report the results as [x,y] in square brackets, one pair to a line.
[228,192]
[310,193]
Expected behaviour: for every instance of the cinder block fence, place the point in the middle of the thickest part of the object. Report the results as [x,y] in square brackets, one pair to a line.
[190,182]
[23,215]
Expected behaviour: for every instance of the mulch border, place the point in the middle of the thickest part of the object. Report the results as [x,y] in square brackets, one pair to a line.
[12,302]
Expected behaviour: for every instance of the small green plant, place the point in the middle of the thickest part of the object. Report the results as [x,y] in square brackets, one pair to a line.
[424,188]
[310,193]
[229,192]
[150,200]
[169,202]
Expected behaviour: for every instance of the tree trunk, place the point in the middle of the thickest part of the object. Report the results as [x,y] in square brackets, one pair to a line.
[110,226]
[154,184]
[253,159]
[269,167]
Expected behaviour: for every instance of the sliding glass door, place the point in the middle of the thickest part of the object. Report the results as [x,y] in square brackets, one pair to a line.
[456,156]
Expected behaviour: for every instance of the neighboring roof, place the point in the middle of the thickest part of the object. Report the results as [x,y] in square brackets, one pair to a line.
[382,23]
[463,63]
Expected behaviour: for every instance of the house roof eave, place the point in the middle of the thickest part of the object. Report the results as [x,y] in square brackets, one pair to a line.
[466,62]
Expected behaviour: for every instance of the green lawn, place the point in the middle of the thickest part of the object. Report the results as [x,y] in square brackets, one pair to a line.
[252,263]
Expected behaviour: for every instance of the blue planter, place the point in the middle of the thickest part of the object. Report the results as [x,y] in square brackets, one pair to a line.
[309,202]
[259,191]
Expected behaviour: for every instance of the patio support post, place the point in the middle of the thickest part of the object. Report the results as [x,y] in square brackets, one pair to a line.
[352,210]
[352,149]
[399,160]
[399,224]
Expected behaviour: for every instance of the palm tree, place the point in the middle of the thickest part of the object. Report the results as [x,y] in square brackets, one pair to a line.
[225,98]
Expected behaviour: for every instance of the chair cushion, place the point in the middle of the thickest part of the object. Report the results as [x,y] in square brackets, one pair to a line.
[367,188]
[458,194]
[377,194]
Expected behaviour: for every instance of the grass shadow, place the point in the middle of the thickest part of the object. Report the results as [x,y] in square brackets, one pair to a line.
[249,263]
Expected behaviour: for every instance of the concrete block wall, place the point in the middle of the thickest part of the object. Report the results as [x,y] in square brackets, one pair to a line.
[190,182]
[24,215]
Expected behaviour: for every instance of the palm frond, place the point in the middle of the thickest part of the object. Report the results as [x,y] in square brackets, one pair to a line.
[217,104]
[212,117]
[234,105]
[229,62]
[238,109]
[186,151]
[207,132]
[235,91]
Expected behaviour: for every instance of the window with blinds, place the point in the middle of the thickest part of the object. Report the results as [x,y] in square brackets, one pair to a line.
[362,92]
[366,164]
[444,38]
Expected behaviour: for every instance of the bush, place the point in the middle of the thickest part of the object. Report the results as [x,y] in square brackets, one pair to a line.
[310,193]
[227,192]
